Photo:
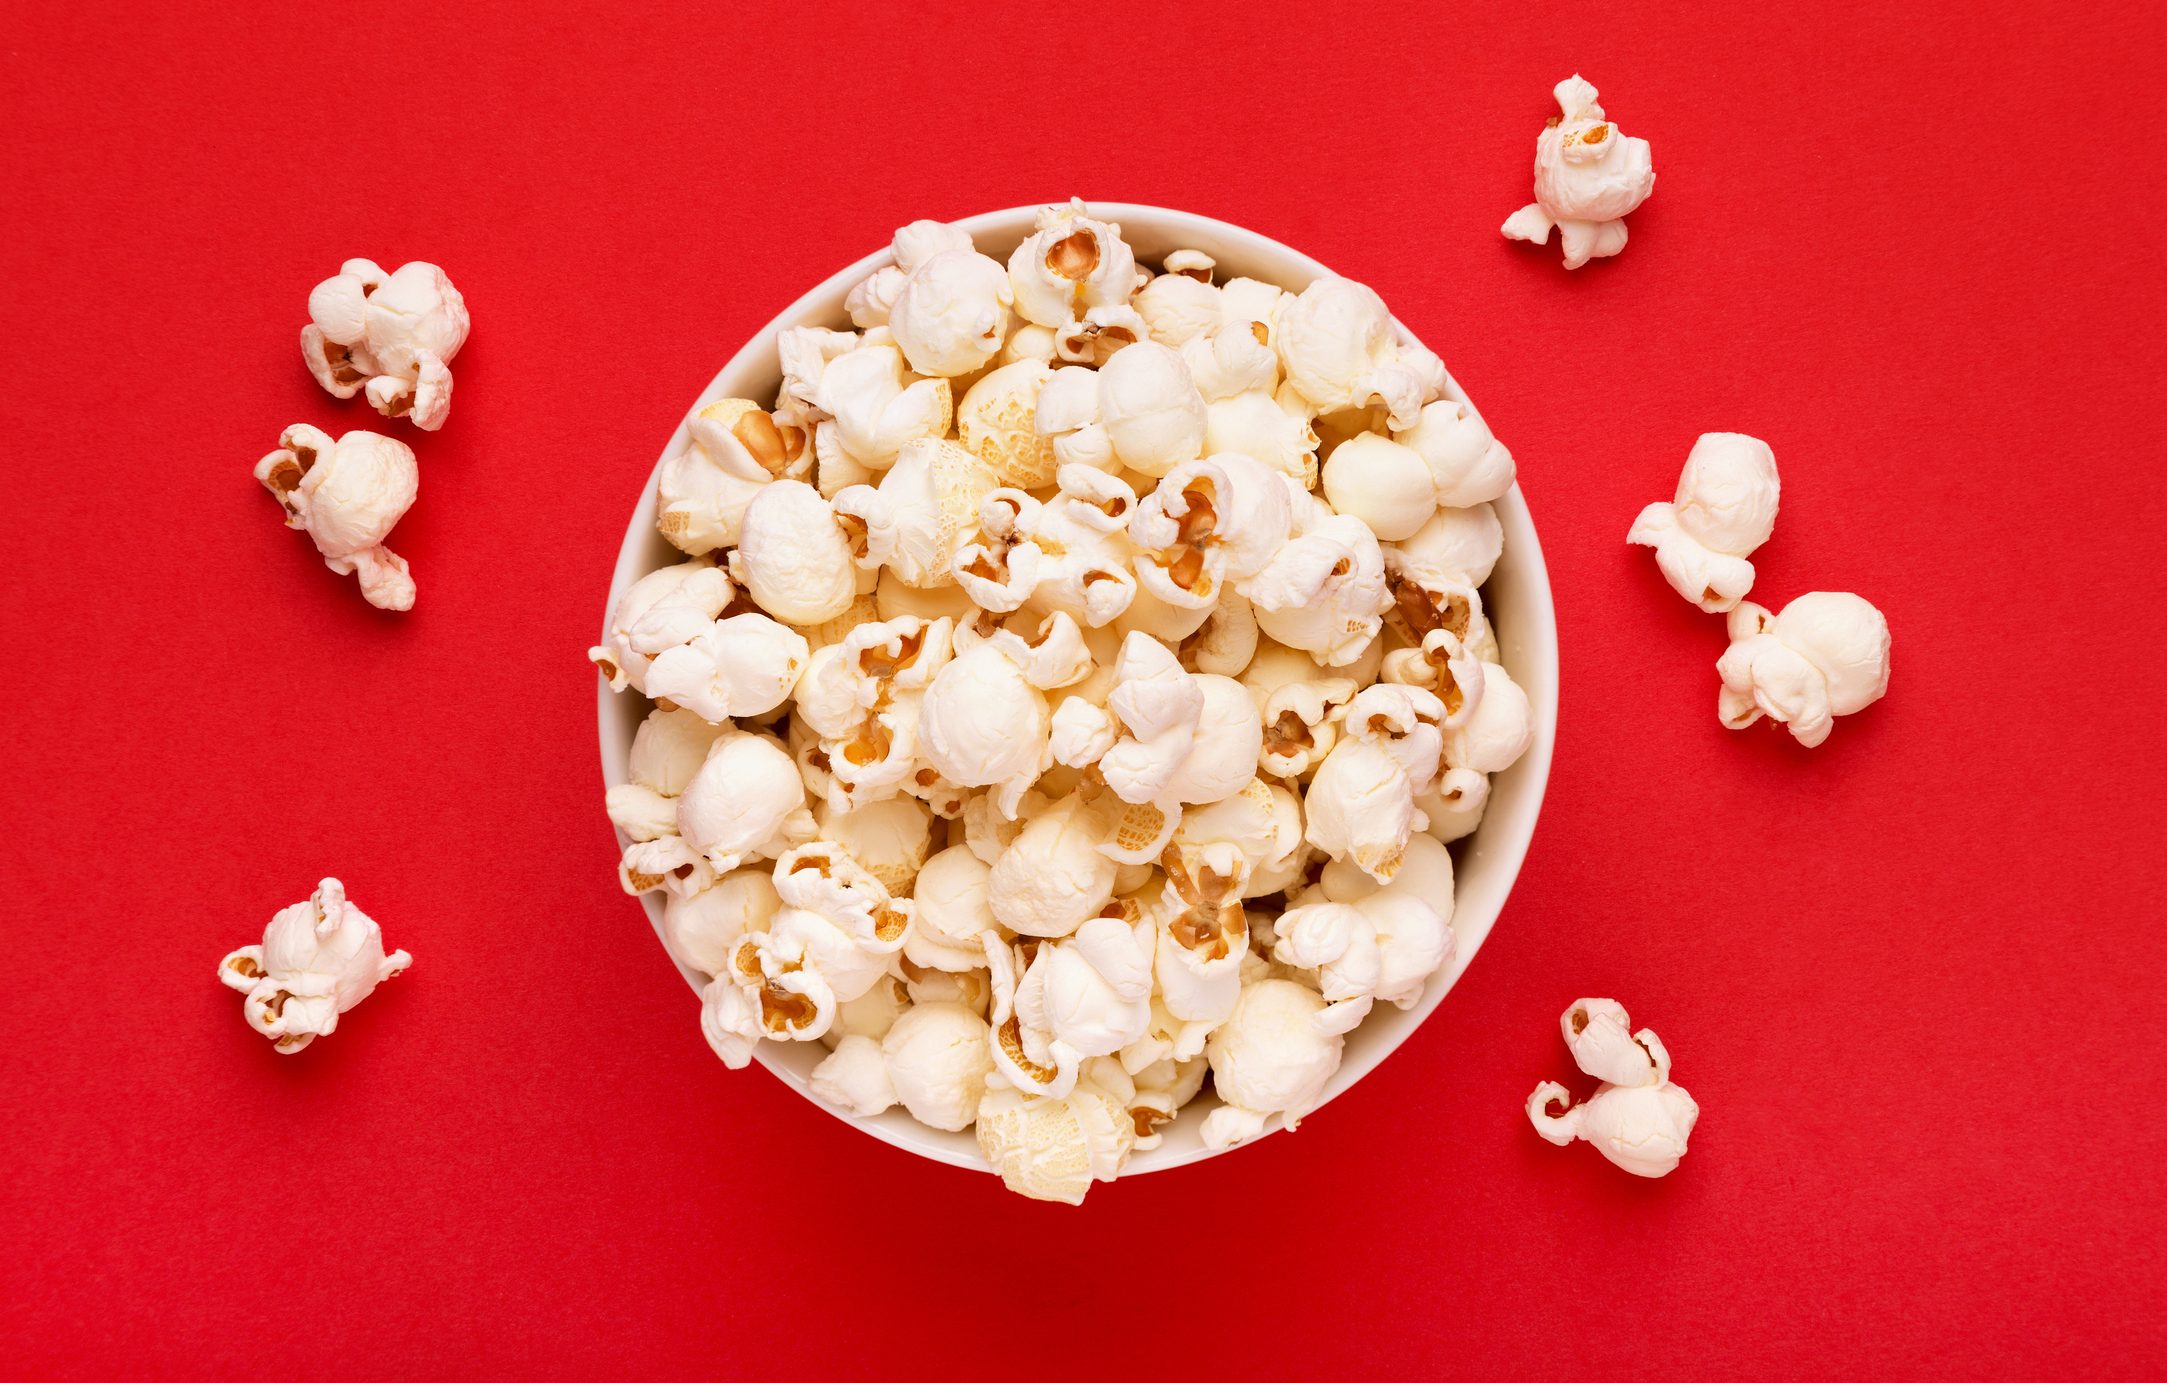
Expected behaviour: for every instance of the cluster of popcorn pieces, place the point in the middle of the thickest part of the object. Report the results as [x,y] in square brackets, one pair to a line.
[1636,1117]
[1073,680]
[392,336]
[1825,655]
[1588,177]
[318,959]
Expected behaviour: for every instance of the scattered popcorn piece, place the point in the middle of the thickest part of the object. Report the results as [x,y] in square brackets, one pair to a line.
[317,959]
[1588,176]
[1825,655]
[392,335]
[1725,508]
[347,496]
[1636,1117]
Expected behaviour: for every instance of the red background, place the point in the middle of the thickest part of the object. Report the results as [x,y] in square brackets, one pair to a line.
[1911,976]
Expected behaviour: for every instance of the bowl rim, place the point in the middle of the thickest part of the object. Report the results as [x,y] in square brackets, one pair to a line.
[1535,632]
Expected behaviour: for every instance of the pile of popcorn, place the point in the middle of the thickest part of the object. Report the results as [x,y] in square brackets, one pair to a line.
[1072,683]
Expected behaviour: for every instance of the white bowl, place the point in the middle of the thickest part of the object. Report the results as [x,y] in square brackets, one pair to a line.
[1517,600]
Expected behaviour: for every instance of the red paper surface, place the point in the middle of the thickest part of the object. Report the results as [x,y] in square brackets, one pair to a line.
[1911,976]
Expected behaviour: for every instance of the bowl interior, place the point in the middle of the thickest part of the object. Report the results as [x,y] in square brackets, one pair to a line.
[1517,600]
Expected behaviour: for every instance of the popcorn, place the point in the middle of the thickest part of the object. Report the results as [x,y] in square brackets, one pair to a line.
[663,609]
[1201,938]
[930,497]
[871,300]
[1384,484]
[1176,308]
[1725,508]
[985,724]
[703,929]
[871,1014]
[1199,717]
[863,698]
[875,405]
[1499,728]
[1300,723]
[1230,360]
[1088,995]
[889,838]
[854,1078]
[1153,416]
[667,750]
[736,449]
[997,423]
[1053,1149]
[1444,668]
[793,555]
[1209,523]
[317,960]
[1072,264]
[1455,547]
[951,315]
[392,335]
[1361,807]
[1371,943]
[746,802]
[1185,737]
[746,665]
[1636,1117]
[1340,351]
[954,912]
[1468,465]
[1273,1057]
[1258,425]
[1052,877]
[1825,655]
[1081,732]
[1225,642]
[1587,178]
[347,495]
[938,1058]
[1324,592]
[774,989]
